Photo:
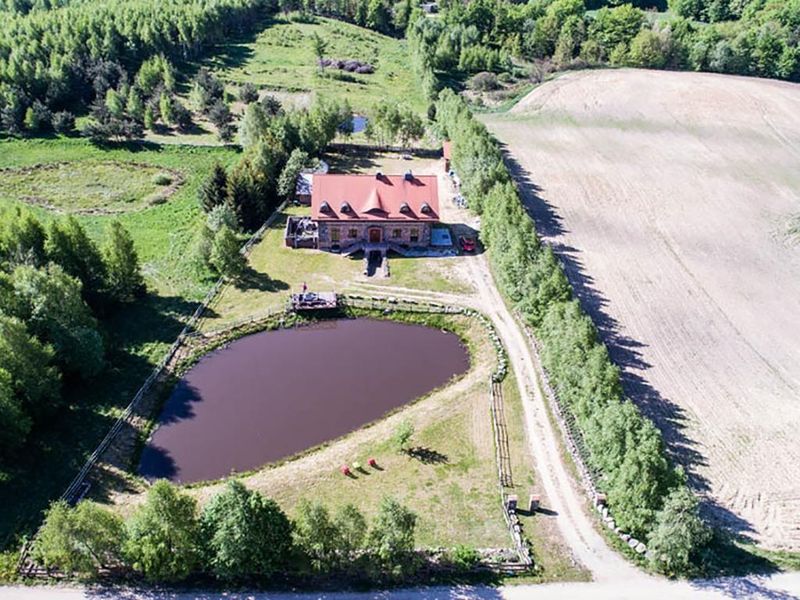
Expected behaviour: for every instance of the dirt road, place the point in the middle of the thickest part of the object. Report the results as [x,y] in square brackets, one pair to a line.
[668,196]
[776,587]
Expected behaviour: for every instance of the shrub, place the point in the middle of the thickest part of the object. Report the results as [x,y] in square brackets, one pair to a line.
[79,540]
[222,215]
[64,122]
[678,534]
[402,435]
[225,255]
[464,557]
[248,93]
[391,538]
[162,178]
[483,82]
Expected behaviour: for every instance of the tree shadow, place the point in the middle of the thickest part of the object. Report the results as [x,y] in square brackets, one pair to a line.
[256,280]
[742,587]
[624,351]
[427,456]
[157,463]
[355,162]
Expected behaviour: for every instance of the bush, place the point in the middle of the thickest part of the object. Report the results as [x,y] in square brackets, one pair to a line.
[64,122]
[330,544]
[79,540]
[483,82]
[225,255]
[402,435]
[248,93]
[678,534]
[162,178]
[391,539]
[464,558]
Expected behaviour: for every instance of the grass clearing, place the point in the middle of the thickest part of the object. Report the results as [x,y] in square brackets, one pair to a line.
[281,58]
[162,233]
[93,187]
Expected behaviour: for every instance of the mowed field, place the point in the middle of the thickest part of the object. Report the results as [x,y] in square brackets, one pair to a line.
[672,199]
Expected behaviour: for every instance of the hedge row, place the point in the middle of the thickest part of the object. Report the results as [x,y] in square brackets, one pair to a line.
[622,446]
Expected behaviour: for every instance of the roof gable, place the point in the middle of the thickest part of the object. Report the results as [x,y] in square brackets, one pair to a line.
[375,197]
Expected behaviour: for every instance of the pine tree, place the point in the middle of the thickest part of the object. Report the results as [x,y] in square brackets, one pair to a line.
[166,106]
[214,190]
[225,255]
[245,197]
[253,125]
[124,279]
[149,118]
[135,105]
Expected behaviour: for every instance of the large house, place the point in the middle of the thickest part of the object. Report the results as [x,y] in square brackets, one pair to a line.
[370,211]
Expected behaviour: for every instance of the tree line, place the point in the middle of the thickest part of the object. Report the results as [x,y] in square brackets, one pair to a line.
[239,536]
[757,37]
[648,496]
[56,288]
[63,58]
[390,17]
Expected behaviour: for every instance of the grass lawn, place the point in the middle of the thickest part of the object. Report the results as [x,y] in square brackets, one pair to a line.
[137,335]
[276,270]
[281,58]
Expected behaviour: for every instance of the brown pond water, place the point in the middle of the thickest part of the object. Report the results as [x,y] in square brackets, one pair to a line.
[273,394]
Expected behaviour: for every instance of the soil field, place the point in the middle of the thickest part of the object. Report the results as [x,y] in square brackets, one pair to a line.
[671,198]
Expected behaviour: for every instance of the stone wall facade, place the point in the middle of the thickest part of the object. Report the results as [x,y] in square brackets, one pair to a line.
[333,235]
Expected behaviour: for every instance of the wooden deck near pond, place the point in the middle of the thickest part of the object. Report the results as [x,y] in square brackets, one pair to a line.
[314,301]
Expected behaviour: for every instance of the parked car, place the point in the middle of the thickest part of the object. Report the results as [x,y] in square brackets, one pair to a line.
[467,244]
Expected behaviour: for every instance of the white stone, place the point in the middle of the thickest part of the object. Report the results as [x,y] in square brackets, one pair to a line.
[633,542]
[640,548]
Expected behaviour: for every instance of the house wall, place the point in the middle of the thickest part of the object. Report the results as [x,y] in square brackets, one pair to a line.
[361,229]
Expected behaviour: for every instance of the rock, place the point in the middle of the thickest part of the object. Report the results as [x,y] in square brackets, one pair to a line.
[611,524]
[604,512]
[633,542]
[640,548]
[625,537]
[618,530]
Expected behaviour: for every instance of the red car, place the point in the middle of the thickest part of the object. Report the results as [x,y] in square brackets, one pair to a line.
[467,244]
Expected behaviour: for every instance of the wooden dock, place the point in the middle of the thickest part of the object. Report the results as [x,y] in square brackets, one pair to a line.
[314,301]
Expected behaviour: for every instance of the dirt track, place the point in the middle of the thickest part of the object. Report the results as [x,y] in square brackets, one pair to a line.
[669,197]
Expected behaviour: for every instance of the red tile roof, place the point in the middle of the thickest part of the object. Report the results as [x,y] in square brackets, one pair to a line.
[375,198]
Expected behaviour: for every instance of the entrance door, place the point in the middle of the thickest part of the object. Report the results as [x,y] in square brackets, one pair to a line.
[375,235]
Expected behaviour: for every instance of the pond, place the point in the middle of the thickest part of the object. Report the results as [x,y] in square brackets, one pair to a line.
[359,123]
[274,394]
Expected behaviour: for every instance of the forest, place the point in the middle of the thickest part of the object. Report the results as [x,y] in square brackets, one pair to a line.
[758,38]
[57,288]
